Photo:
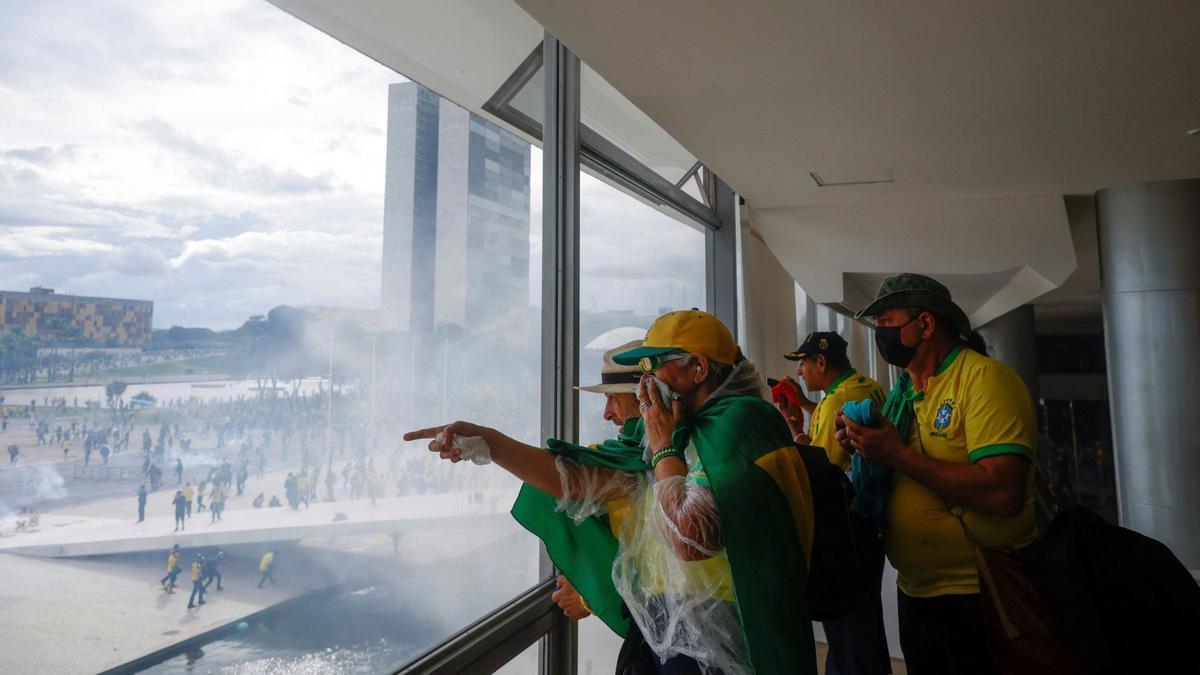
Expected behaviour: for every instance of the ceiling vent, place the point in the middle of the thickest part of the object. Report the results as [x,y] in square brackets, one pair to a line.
[852,177]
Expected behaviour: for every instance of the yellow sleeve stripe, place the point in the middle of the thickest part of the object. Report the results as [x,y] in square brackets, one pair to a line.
[1000,449]
[787,470]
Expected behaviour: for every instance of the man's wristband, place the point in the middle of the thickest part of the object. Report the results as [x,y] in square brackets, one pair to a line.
[667,451]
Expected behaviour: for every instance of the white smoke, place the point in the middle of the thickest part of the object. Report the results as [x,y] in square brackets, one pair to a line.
[35,485]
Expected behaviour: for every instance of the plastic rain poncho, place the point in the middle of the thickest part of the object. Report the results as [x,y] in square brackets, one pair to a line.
[671,564]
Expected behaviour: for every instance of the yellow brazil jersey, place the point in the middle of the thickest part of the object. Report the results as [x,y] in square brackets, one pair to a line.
[972,408]
[853,386]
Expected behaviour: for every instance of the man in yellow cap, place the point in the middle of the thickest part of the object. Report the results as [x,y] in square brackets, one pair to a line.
[716,503]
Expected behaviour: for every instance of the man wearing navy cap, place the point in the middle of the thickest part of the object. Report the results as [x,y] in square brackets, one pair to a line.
[857,640]
[822,364]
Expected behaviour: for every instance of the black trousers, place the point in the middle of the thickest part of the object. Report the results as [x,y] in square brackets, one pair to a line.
[217,576]
[857,640]
[943,635]
[636,657]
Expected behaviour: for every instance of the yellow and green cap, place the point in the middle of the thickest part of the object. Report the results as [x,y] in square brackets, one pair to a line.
[686,330]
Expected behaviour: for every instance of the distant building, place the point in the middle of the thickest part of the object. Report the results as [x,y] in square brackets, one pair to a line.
[100,322]
[456,220]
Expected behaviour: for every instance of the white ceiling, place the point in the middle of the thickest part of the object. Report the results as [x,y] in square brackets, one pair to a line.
[957,99]
[980,112]
[984,114]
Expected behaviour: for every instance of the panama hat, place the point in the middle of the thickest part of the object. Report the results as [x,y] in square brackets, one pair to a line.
[614,377]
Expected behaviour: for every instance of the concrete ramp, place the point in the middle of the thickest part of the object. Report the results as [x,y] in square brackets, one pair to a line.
[67,536]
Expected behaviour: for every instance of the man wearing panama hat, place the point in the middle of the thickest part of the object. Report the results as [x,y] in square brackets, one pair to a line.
[619,385]
[681,530]
[954,456]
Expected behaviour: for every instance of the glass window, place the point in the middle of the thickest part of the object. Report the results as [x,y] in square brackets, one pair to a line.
[239,260]
[524,663]
[607,111]
[530,100]
[636,263]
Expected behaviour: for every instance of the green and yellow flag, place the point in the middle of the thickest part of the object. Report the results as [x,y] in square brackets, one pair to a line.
[764,500]
[585,551]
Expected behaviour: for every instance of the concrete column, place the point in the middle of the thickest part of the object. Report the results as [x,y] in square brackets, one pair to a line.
[1149,238]
[1011,340]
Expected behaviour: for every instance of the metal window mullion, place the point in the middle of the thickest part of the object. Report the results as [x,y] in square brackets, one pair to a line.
[516,80]
[609,159]
[492,641]
[599,153]
[560,291]
[720,258]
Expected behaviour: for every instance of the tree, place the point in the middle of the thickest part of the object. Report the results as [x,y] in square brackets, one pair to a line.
[113,391]
[18,356]
[58,327]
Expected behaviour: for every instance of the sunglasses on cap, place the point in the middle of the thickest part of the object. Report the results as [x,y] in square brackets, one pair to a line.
[649,364]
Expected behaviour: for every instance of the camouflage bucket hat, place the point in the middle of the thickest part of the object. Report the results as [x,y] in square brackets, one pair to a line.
[917,291]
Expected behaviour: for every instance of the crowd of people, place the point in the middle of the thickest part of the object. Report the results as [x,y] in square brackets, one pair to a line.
[207,569]
[228,442]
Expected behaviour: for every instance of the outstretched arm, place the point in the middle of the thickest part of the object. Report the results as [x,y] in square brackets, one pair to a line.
[532,465]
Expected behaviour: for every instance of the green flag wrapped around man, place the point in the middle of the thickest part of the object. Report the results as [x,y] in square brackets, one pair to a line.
[689,534]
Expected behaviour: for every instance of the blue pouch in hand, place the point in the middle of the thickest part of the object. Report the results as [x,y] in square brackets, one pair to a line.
[861,412]
[872,481]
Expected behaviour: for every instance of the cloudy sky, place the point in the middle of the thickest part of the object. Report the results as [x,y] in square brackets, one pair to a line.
[221,158]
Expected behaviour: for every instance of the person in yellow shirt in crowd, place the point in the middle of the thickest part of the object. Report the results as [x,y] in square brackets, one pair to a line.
[958,433]
[197,581]
[188,494]
[857,640]
[216,503]
[173,569]
[266,566]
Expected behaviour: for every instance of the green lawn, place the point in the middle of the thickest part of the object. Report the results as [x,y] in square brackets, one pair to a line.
[214,365]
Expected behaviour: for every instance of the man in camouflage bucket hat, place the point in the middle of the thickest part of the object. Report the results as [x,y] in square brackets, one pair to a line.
[917,291]
[954,453]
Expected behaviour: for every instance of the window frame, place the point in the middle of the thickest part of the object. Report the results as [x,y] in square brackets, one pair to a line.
[567,145]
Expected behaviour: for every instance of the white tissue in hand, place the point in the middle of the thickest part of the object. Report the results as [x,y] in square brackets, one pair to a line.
[473,448]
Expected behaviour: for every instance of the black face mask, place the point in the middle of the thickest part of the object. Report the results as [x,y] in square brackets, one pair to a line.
[895,352]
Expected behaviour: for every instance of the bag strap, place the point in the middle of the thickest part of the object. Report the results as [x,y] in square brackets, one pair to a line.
[987,580]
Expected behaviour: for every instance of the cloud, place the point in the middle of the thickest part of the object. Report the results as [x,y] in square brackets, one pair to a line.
[42,155]
[28,242]
[138,260]
[224,169]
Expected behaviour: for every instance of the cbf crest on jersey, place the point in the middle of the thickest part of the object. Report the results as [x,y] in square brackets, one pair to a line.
[944,413]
